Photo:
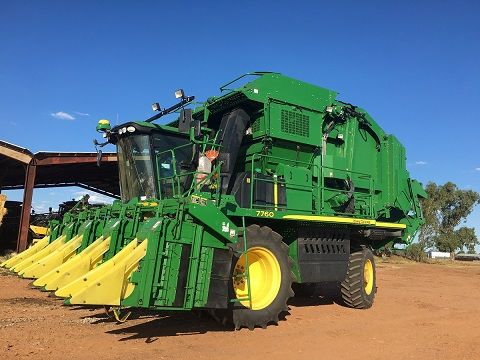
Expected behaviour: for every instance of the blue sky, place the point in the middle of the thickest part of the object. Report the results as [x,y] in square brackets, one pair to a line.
[414,65]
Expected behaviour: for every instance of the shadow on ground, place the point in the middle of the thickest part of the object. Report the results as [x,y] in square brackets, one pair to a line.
[157,324]
[161,324]
[319,294]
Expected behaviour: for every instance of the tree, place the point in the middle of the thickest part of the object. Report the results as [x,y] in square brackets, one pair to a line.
[444,210]
[415,252]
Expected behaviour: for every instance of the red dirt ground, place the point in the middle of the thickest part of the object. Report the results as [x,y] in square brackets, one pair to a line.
[422,311]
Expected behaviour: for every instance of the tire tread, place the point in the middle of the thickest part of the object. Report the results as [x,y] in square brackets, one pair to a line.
[351,288]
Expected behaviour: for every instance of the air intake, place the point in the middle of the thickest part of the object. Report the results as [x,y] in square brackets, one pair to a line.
[295,123]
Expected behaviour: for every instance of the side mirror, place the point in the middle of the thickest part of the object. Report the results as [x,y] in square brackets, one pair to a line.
[185,121]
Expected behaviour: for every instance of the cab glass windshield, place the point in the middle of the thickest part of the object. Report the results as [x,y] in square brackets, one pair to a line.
[137,177]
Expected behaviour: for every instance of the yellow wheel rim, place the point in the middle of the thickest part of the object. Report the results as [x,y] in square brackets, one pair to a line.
[265,278]
[368,276]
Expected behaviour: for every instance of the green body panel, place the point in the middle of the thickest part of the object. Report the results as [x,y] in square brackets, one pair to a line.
[77,225]
[176,269]
[315,162]
[304,127]
[91,229]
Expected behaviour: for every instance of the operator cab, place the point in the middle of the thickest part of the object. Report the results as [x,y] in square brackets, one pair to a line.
[145,153]
[166,161]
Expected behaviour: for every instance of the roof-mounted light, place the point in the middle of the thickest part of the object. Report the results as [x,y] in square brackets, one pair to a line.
[156,107]
[180,94]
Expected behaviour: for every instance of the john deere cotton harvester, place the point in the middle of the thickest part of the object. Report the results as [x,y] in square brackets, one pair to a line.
[271,185]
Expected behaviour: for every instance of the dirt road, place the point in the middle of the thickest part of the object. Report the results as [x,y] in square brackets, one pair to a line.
[422,311]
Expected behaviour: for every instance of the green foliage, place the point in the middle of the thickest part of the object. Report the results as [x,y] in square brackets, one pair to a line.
[416,252]
[444,210]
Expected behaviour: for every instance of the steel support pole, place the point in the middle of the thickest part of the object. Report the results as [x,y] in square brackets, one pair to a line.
[30,174]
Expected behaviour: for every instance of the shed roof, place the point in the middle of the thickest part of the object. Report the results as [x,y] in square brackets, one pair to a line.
[58,169]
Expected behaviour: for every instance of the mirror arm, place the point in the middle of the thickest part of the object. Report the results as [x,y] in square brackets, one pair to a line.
[99,152]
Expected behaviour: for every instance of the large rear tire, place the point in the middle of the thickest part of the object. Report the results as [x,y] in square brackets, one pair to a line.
[270,279]
[359,286]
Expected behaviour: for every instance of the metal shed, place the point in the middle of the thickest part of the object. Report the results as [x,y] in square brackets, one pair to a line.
[22,169]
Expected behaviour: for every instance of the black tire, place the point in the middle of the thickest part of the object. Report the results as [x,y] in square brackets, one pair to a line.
[354,289]
[242,316]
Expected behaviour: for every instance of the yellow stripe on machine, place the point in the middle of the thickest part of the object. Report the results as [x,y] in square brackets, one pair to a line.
[345,220]
[390,225]
[53,260]
[39,245]
[77,266]
[108,283]
[54,245]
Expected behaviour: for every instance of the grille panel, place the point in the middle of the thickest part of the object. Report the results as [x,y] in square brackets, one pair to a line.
[256,126]
[323,254]
[295,123]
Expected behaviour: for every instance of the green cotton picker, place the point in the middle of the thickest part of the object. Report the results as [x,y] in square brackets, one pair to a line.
[272,186]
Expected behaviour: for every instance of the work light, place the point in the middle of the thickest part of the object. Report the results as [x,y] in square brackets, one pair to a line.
[179,94]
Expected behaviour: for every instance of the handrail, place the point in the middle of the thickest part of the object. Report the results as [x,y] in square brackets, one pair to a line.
[254,73]
[318,189]
[175,177]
